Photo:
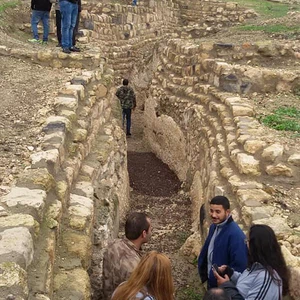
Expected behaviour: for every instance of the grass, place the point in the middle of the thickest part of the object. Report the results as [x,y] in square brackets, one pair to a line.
[270,28]
[284,118]
[267,9]
[4,5]
[188,293]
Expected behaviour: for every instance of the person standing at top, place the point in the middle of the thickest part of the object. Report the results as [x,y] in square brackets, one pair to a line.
[69,12]
[40,12]
[127,99]
[123,255]
[224,245]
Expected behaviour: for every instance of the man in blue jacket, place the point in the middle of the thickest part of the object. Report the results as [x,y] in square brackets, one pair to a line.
[225,244]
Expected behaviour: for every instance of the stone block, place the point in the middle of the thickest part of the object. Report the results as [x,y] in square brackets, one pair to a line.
[278,224]
[81,213]
[78,245]
[272,152]
[247,164]
[294,159]
[16,246]
[44,55]
[57,123]
[294,282]
[66,103]
[279,170]
[72,284]
[251,214]
[46,159]
[36,179]
[13,281]
[253,146]
[84,188]
[19,220]
[26,200]
[80,135]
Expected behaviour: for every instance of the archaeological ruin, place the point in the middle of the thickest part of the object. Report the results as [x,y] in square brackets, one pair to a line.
[195,91]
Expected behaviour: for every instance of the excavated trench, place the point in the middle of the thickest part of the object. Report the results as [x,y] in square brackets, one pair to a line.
[156,190]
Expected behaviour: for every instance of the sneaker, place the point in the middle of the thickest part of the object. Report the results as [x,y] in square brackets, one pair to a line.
[128,134]
[66,50]
[34,41]
[45,43]
[75,49]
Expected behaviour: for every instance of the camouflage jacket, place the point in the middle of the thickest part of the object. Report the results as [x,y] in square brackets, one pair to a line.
[119,260]
[126,96]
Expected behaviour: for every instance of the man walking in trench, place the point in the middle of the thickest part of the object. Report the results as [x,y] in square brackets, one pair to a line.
[127,99]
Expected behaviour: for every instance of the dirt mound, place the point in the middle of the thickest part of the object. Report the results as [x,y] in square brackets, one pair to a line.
[150,176]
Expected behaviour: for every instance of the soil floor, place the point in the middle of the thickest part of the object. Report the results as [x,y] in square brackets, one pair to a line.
[155,189]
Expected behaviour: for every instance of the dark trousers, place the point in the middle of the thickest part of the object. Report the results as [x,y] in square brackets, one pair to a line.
[58,27]
[127,116]
[75,31]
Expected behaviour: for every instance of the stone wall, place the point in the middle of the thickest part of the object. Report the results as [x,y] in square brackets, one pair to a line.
[69,201]
[213,142]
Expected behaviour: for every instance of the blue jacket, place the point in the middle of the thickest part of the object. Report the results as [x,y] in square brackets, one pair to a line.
[229,249]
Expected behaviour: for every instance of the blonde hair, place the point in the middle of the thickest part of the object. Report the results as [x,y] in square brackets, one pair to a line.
[154,273]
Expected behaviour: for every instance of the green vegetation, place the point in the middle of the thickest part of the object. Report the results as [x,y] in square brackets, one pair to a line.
[267,9]
[7,4]
[271,28]
[284,118]
[188,293]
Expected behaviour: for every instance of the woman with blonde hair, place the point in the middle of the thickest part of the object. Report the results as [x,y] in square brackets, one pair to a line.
[150,280]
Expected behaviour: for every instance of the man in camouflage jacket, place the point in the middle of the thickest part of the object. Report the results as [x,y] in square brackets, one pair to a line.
[127,99]
[123,255]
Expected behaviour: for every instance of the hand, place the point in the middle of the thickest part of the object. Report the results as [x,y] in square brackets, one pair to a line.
[222,268]
[219,278]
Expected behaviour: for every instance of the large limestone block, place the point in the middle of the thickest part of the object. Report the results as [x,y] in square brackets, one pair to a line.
[192,245]
[16,246]
[72,284]
[253,197]
[272,152]
[247,164]
[13,281]
[294,159]
[66,103]
[78,245]
[36,179]
[84,188]
[251,214]
[253,146]
[242,110]
[24,199]
[20,220]
[294,282]
[45,55]
[58,120]
[279,170]
[46,159]
[78,88]
[290,259]
[81,212]
[278,224]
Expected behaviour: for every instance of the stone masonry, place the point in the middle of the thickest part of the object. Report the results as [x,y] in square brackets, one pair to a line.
[57,219]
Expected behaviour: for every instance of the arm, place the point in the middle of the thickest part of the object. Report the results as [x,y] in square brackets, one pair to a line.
[237,251]
[231,290]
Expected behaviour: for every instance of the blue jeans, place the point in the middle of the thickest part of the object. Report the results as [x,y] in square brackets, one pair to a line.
[69,13]
[134,2]
[37,16]
[127,116]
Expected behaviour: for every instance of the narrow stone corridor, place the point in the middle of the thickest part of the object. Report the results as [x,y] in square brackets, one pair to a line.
[156,190]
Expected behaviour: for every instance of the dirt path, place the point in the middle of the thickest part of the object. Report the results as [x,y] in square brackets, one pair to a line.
[156,190]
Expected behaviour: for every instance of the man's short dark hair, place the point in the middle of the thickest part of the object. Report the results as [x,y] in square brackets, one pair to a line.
[125,81]
[135,224]
[220,200]
[216,294]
